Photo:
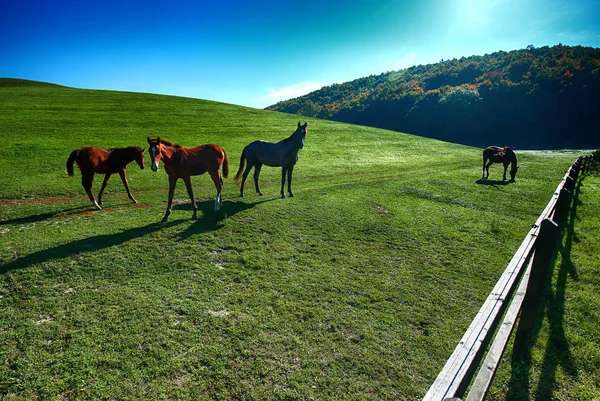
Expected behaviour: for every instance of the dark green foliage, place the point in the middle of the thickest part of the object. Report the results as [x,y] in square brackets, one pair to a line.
[544,98]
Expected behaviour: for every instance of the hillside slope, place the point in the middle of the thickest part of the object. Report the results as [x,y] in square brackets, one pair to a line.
[537,98]
[359,287]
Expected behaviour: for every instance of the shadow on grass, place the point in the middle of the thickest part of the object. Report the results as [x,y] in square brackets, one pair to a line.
[493,183]
[211,220]
[552,305]
[46,216]
[84,245]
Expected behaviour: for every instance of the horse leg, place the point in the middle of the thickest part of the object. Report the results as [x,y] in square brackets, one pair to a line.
[483,177]
[256,174]
[188,185]
[487,168]
[216,177]
[124,179]
[106,177]
[289,178]
[284,171]
[87,181]
[244,176]
[172,182]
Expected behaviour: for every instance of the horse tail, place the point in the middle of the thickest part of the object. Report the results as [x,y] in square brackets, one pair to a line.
[225,165]
[70,161]
[242,164]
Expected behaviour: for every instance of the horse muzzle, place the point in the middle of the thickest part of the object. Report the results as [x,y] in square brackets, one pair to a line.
[154,167]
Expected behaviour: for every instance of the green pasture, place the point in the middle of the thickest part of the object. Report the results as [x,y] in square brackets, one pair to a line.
[358,288]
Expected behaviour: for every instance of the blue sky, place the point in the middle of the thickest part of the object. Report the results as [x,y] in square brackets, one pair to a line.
[256,53]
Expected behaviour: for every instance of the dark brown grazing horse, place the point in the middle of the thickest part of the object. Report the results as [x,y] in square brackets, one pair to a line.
[496,154]
[283,153]
[97,161]
[183,163]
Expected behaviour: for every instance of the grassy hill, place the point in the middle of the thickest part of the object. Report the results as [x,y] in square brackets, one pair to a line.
[357,288]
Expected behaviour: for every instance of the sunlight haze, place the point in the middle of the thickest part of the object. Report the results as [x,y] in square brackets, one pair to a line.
[261,53]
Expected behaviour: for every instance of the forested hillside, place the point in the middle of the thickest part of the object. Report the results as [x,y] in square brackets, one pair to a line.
[544,98]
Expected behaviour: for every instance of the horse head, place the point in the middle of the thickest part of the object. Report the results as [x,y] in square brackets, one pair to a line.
[139,156]
[513,170]
[154,151]
[300,133]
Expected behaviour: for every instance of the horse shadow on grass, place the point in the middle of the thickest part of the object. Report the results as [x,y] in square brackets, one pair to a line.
[36,218]
[80,246]
[493,183]
[552,307]
[211,220]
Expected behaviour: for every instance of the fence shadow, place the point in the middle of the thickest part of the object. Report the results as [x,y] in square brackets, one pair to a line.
[552,306]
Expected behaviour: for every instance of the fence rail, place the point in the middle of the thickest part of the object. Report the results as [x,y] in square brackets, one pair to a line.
[528,265]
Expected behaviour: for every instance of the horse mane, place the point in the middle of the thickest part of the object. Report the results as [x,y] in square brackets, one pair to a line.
[129,150]
[167,142]
[291,137]
[138,148]
[508,150]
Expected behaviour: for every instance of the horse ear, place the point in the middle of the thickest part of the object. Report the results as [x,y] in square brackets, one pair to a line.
[142,150]
[305,125]
[298,124]
[149,141]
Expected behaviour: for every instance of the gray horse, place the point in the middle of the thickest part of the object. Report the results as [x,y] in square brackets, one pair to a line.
[283,153]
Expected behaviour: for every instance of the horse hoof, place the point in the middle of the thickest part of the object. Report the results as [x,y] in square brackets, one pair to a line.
[260,193]
[291,195]
[241,195]
[282,196]
[134,201]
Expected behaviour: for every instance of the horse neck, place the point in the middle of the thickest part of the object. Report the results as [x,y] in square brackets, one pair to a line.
[294,141]
[510,155]
[127,155]
[167,151]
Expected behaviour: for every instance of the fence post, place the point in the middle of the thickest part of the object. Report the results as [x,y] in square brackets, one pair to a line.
[562,206]
[584,165]
[574,172]
[588,162]
[569,182]
[545,246]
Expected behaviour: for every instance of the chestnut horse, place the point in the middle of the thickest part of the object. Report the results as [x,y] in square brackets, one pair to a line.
[97,161]
[183,163]
[283,153]
[496,154]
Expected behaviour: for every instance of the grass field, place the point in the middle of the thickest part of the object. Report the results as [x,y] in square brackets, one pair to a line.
[357,288]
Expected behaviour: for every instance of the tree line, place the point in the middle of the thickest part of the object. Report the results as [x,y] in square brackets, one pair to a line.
[533,98]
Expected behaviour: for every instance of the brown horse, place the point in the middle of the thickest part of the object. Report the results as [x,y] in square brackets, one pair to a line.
[97,161]
[183,163]
[496,154]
